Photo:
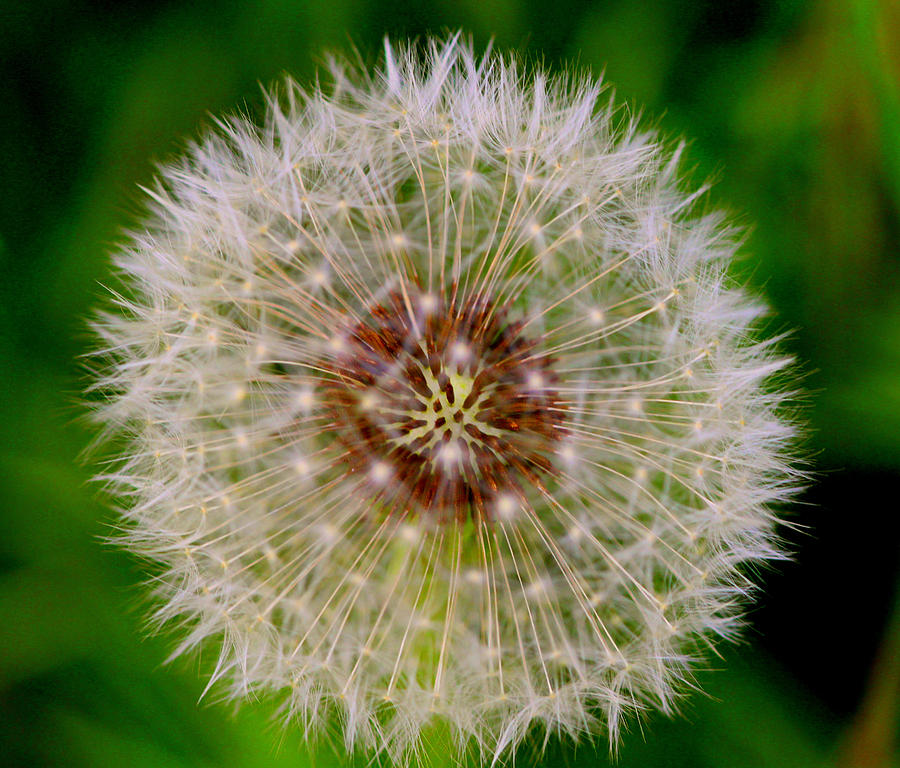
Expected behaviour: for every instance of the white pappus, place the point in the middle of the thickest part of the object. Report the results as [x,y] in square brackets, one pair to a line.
[440,406]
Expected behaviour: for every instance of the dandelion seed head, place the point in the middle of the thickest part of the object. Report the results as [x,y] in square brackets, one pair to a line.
[442,407]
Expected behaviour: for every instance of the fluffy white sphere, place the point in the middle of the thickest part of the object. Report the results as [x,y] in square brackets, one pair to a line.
[440,406]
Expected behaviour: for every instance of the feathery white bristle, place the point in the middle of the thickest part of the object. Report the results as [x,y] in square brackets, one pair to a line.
[580,593]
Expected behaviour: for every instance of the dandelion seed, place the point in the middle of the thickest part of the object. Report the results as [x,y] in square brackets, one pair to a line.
[442,387]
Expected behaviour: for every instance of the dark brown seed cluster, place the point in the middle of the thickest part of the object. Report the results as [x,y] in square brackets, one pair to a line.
[444,407]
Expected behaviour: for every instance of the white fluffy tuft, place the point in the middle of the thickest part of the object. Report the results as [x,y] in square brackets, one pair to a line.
[584,598]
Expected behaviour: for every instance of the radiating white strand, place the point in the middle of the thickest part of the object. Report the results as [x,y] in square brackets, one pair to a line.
[572,597]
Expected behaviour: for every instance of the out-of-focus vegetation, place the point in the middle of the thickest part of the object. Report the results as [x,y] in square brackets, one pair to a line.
[793,106]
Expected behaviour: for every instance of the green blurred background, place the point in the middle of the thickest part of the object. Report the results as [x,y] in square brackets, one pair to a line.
[794,107]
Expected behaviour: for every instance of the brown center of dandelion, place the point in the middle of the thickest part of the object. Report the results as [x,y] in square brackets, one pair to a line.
[444,407]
